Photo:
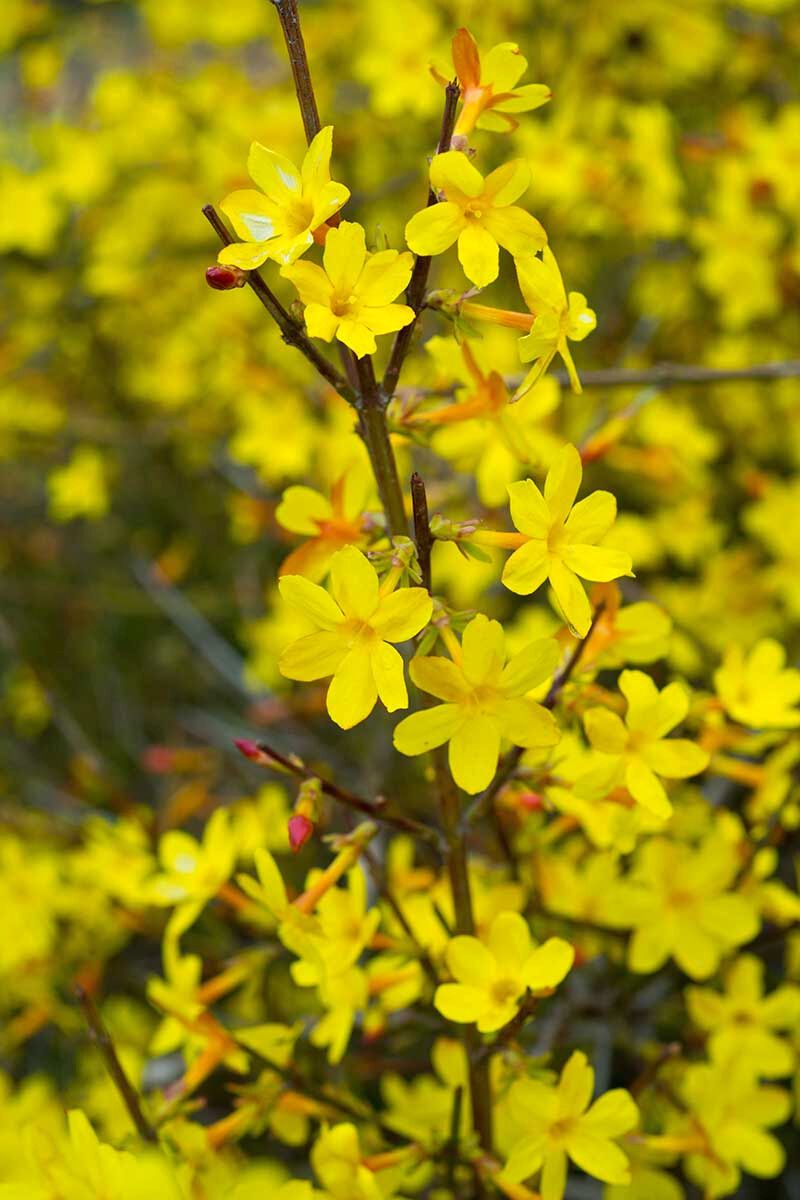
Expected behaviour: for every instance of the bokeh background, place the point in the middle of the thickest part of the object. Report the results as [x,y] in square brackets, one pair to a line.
[148,425]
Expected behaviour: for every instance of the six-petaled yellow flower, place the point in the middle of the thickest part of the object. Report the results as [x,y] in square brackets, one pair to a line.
[356,625]
[557,541]
[559,318]
[491,979]
[758,689]
[478,213]
[489,86]
[636,751]
[485,701]
[351,299]
[563,1124]
[279,221]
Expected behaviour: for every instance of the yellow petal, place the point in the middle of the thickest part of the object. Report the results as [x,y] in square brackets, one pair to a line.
[384,277]
[598,1156]
[469,961]
[506,184]
[531,666]
[650,946]
[478,255]
[671,708]
[539,285]
[321,322]
[402,614]
[387,319]
[526,1157]
[311,282]
[253,216]
[605,730]
[439,677]
[352,693]
[529,510]
[474,751]
[571,597]
[645,787]
[526,723]
[274,174]
[459,1003]
[328,201]
[314,656]
[316,169]
[301,509]
[483,650]
[527,568]
[596,563]
[591,518]
[548,964]
[676,758]
[575,1085]
[614,1113]
[357,336]
[503,66]
[246,255]
[425,730]
[452,171]
[554,1175]
[434,229]
[344,255]
[562,482]
[354,583]
[312,600]
[582,319]
[387,671]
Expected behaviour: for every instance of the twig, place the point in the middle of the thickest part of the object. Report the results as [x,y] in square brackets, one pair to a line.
[101,1037]
[451,1148]
[415,293]
[291,332]
[510,763]
[658,376]
[422,529]
[298,60]
[375,432]
[377,810]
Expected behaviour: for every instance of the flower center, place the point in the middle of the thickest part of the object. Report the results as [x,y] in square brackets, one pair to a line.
[474,210]
[299,214]
[560,1130]
[343,306]
[504,991]
[556,537]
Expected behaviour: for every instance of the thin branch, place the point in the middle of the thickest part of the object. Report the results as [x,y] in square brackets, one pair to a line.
[101,1037]
[415,293]
[511,761]
[298,60]
[422,529]
[378,810]
[451,1146]
[375,432]
[291,332]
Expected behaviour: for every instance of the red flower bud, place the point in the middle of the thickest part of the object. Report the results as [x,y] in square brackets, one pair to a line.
[158,760]
[248,749]
[532,801]
[223,278]
[300,830]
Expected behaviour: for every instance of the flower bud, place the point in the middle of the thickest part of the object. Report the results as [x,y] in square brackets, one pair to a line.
[223,278]
[300,830]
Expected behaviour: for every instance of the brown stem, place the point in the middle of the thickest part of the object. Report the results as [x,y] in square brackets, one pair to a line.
[422,529]
[102,1038]
[415,293]
[291,332]
[509,1031]
[378,810]
[289,18]
[375,432]
[450,812]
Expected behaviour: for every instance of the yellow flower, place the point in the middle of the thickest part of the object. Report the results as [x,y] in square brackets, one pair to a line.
[637,751]
[743,1022]
[355,626]
[563,1126]
[478,213]
[759,690]
[351,298]
[492,979]
[559,318]
[489,89]
[280,223]
[327,523]
[683,907]
[485,701]
[557,541]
